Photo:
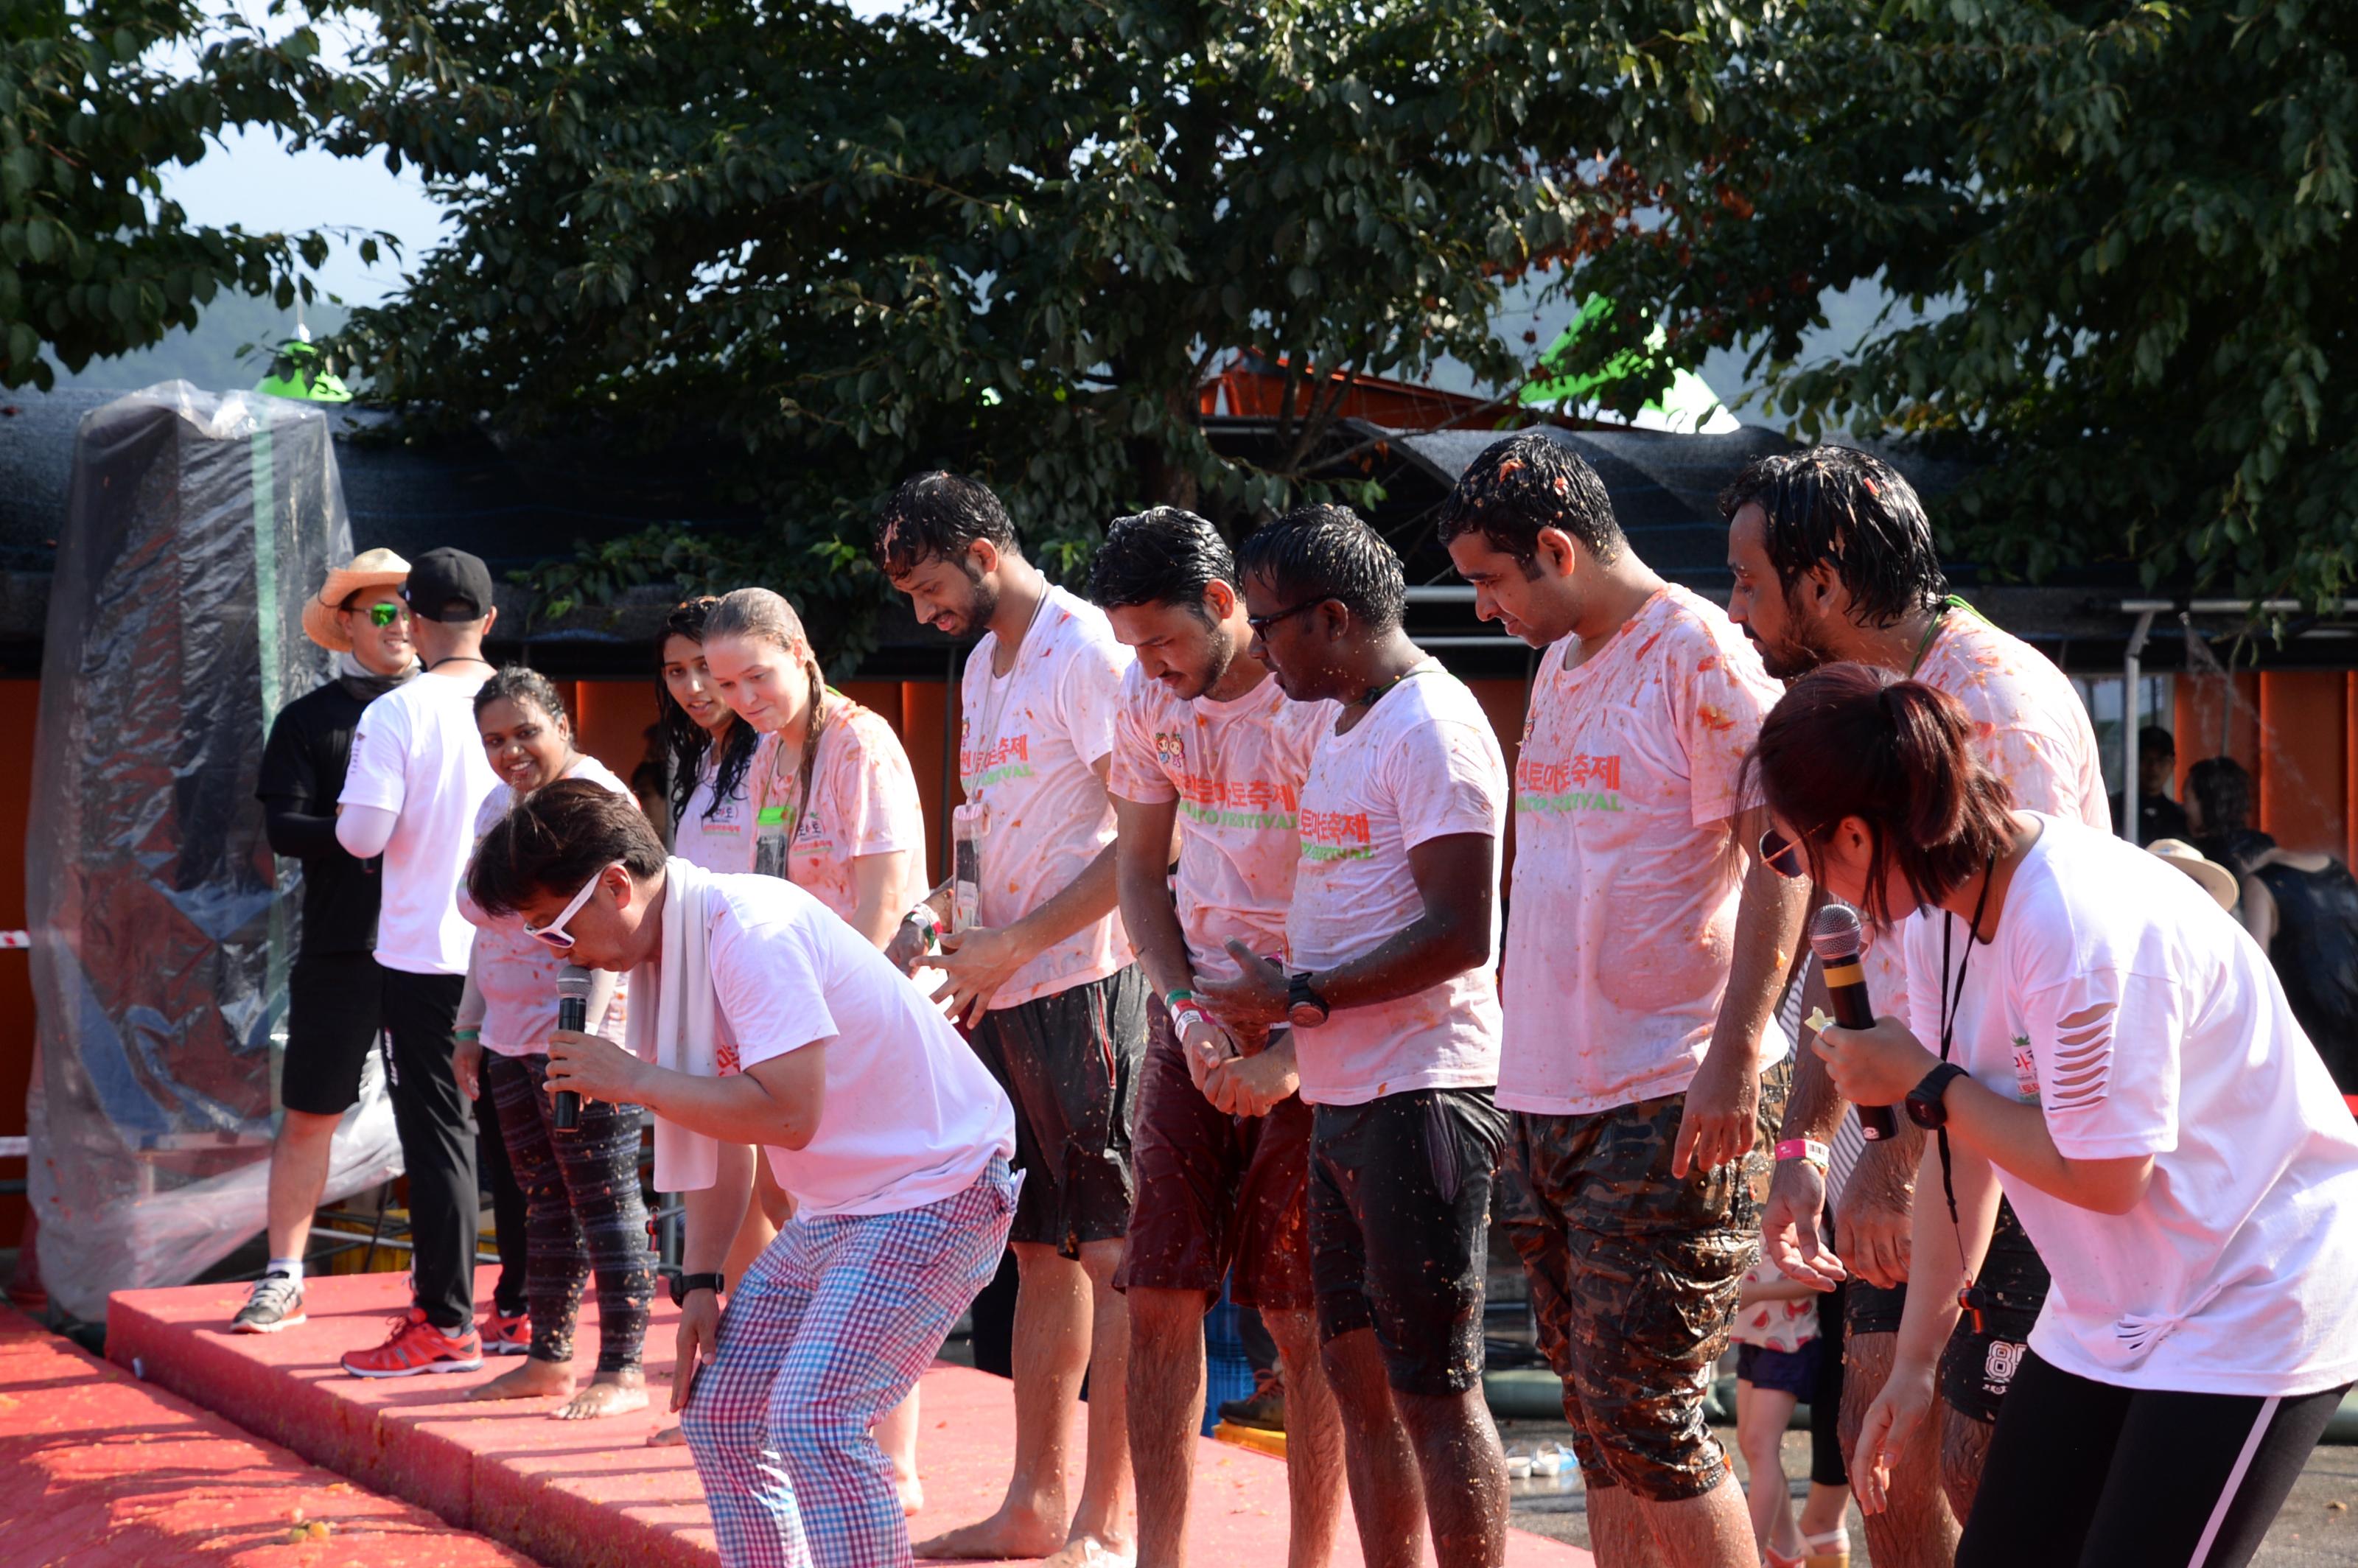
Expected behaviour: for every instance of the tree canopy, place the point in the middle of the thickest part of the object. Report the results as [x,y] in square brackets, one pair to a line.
[97,98]
[1010,236]
[2127,232]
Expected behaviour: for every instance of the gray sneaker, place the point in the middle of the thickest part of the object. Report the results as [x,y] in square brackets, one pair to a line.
[277,1302]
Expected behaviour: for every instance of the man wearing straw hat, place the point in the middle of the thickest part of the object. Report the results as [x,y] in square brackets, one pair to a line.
[332,991]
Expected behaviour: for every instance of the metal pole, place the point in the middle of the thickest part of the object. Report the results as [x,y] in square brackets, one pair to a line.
[2132,677]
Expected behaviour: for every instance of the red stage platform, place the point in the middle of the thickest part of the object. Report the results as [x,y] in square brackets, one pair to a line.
[590,1494]
[100,1471]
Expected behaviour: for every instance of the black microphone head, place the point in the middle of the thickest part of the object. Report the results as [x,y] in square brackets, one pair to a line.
[573,980]
[1836,935]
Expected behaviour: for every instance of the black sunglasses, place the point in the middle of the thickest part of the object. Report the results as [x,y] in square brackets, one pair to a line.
[1783,855]
[1261,624]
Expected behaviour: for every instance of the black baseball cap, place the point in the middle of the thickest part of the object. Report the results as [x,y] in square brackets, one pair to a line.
[451,586]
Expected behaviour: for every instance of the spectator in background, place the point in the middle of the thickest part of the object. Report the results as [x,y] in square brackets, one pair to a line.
[709,750]
[417,775]
[333,993]
[2301,908]
[2159,817]
[1777,1351]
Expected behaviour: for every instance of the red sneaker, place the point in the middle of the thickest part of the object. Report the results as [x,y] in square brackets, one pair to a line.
[505,1335]
[416,1345]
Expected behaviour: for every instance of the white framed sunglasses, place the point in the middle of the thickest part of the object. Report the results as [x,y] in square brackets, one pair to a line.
[555,934]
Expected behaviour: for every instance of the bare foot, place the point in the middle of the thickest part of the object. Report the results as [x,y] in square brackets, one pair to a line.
[912,1495]
[1010,1532]
[1088,1551]
[533,1380]
[667,1437]
[609,1393]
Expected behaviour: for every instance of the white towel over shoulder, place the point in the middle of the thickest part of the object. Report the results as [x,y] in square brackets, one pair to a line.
[675,1021]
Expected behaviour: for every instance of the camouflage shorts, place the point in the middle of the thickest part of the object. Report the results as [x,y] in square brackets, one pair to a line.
[1634,1278]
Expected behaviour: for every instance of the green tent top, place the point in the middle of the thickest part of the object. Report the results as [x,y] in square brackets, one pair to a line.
[304,377]
[1689,405]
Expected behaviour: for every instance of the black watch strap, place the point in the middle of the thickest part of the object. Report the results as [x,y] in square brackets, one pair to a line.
[1305,1008]
[1925,1105]
[681,1284]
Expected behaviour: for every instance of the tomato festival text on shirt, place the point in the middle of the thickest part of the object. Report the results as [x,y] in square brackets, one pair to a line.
[1569,786]
[1252,804]
[1009,759]
[1335,836]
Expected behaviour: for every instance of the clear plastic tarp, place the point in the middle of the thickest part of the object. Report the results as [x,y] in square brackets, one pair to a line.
[162,925]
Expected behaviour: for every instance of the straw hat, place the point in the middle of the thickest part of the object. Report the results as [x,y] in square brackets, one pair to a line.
[370,568]
[2215,879]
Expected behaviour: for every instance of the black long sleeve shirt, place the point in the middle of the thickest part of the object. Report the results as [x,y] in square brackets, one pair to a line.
[302,773]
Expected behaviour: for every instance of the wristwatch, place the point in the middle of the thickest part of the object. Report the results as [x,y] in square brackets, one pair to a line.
[1305,1008]
[683,1283]
[1924,1106]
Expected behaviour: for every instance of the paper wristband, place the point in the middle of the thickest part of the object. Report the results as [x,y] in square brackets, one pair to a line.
[1808,1149]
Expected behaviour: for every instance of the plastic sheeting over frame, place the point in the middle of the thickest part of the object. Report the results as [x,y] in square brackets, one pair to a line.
[162,925]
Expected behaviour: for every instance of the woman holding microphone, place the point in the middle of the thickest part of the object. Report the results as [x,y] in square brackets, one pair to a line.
[2086,1031]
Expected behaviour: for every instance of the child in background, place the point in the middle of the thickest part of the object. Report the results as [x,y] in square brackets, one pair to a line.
[1776,1337]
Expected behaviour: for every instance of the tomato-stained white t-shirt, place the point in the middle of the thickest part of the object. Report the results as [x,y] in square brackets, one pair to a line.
[1029,744]
[1236,769]
[1424,763]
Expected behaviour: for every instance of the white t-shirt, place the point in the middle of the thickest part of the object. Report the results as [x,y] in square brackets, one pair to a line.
[724,840]
[863,801]
[516,974]
[418,753]
[1625,886]
[1421,764]
[1028,746]
[2029,729]
[911,1116]
[2142,1020]
[1236,770]
[2028,722]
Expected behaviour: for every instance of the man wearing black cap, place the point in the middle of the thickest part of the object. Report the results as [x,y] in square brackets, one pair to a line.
[416,777]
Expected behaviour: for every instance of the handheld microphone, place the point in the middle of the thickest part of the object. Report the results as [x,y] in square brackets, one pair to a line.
[1836,937]
[573,1013]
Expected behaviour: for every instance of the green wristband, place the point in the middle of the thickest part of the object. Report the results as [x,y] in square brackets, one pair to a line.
[466,1035]
[1174,997]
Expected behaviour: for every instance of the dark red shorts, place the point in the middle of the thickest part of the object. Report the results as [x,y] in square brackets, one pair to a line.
[1215,1191]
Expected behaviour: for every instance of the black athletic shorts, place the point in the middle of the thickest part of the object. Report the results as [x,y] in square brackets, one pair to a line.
[1400,1228]
[2080,1472]
[334,1005]
[1070,1062]
[1977,1366]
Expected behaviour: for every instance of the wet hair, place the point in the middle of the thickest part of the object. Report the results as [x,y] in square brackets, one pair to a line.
[684,740]
[1523,484]
[939,515]
[516,684]
[1316,553]
[2224,790]
[555,840]
[1851,509]
[1161,555]
[1853,740]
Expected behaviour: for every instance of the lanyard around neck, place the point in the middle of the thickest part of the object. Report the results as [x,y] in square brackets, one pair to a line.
[1949,1009]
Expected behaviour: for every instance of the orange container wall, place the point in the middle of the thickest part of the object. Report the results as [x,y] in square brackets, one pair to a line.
[2303,761]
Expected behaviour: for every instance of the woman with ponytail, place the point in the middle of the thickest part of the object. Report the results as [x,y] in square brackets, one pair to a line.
[709,749]
[836,812]
[2083,1028]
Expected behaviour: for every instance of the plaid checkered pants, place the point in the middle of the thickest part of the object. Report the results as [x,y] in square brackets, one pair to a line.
[830,1330]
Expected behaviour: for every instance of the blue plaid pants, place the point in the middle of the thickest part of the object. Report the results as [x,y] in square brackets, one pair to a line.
[830,1329]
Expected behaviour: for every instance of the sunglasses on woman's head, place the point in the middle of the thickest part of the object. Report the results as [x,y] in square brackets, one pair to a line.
[555,934]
